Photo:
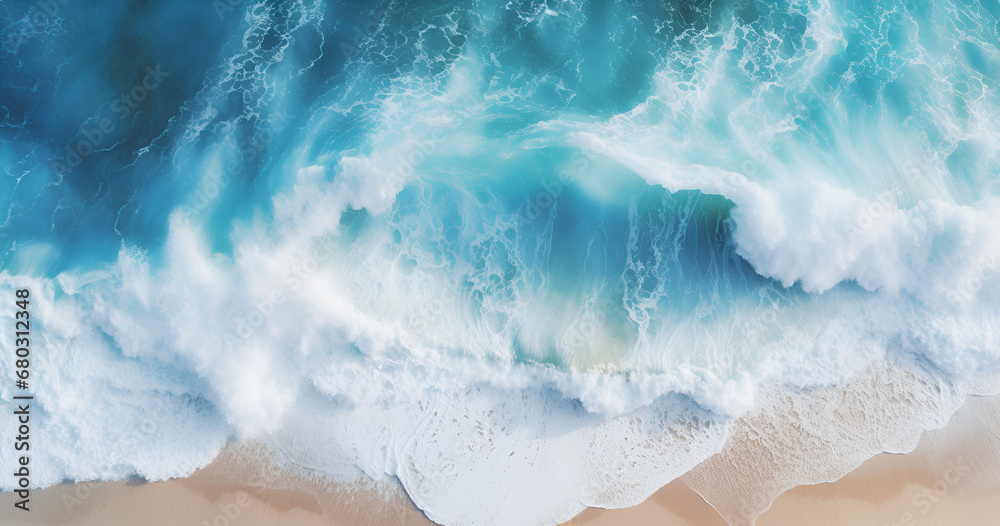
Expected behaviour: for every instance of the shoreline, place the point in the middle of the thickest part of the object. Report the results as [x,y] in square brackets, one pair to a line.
[953,476]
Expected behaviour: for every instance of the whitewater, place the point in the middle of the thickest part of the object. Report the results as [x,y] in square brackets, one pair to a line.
[521,257]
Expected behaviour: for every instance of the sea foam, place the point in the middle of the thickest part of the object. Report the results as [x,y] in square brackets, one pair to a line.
[526,260]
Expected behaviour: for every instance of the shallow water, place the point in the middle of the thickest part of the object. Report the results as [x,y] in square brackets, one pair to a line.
[524,257]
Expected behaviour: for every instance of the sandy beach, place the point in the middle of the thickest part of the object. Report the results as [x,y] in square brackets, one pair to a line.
[497,263]
[952,477]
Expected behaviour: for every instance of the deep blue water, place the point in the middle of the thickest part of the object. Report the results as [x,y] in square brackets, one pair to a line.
[320,219]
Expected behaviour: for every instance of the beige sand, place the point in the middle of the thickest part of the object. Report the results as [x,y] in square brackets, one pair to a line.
[235,490]
[197,501]
[952,478]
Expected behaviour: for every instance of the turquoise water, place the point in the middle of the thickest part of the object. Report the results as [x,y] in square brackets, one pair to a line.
[333,221]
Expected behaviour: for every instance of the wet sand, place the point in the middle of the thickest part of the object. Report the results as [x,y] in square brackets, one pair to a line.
[952,477]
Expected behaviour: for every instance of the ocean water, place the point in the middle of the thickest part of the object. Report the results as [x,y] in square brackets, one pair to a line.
[522,257]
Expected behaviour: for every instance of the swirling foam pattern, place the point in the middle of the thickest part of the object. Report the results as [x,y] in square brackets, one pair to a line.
[524,257]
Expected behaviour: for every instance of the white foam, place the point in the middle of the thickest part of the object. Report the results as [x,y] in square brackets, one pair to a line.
[353,356]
